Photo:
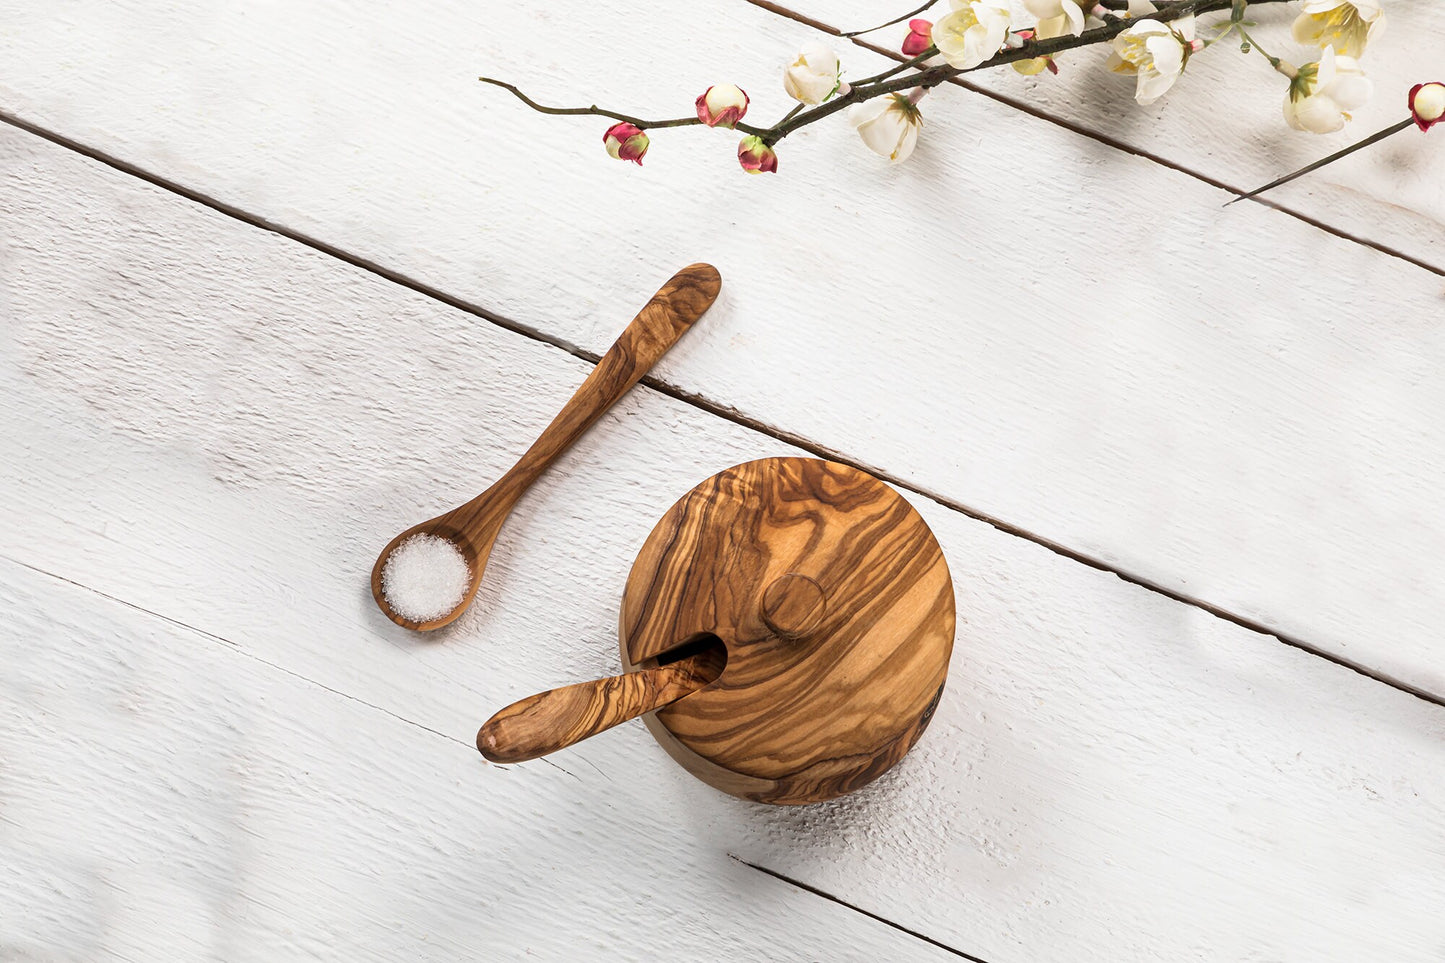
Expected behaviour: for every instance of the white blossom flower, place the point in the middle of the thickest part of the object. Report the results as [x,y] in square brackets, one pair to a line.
[1346,25]
[1156,53]
[812,77]
[972,32]
[1057,17]
[1321,95]
[888,125]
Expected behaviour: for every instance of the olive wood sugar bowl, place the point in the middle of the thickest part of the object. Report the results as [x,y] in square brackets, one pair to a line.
[786,630]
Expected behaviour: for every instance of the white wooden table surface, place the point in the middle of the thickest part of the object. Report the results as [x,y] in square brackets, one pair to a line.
[278,278]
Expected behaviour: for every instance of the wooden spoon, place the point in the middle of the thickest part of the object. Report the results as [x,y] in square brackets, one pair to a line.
[473,527]
[555,719]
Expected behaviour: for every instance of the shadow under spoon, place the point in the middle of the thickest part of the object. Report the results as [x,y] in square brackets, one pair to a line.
[471,529]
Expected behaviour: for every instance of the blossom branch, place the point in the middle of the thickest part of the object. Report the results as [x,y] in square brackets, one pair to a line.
[1152,47]
[933,76]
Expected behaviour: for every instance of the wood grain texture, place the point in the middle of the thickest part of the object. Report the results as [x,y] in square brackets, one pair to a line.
[555,719]
[1226,403]
[860,588]
[204,420]
[473,527]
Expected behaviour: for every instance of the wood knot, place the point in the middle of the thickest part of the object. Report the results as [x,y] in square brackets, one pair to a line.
[793,605]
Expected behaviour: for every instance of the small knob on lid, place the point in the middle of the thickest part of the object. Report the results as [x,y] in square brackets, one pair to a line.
[793,605]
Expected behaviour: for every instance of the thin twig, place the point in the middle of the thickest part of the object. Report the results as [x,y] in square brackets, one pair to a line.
[1372,139]
[918,61]
[596,111]
[797,109]
[907,16]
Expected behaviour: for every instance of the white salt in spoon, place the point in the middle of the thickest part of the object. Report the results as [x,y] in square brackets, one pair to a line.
[428,575]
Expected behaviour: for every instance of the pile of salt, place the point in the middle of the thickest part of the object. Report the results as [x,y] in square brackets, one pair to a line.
[425,577]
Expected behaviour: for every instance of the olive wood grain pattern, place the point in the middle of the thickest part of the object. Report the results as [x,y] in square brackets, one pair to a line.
[835,605]
[474,525]
[557,718]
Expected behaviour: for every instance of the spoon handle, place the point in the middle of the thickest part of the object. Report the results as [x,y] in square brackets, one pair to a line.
[557,718]
[670,313]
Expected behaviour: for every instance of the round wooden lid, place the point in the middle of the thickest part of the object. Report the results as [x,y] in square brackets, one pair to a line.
[835,606]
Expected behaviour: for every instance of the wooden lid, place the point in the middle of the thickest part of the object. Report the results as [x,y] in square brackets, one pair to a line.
[835,605]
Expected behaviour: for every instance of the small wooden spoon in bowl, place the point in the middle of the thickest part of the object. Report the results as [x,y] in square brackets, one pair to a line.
[558,718]
[472,528]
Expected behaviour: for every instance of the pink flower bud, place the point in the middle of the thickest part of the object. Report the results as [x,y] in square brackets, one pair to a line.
[626,142]
[722,105]
[757,157]
[1427,104]
[920,37]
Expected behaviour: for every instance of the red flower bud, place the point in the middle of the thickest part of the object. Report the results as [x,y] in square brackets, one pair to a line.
[626,142]
[722,105]
[757,157]
[919,37]
[1427,104]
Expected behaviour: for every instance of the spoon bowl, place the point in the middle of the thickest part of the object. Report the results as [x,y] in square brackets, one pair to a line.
[472,528]
[440,527]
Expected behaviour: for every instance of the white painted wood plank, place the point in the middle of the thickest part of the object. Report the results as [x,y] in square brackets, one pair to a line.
[1227,403]
[221,426]
[1224,117]
[169,797]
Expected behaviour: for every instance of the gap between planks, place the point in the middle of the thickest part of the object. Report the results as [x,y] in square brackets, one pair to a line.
[240,650]
[857,909]
[234,647]
[704,404]
[1105,139]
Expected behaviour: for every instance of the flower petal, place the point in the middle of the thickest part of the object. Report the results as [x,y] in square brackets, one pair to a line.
[1152,86]
[1044,9]
[1351,91]
[1320,115]
[1076,17]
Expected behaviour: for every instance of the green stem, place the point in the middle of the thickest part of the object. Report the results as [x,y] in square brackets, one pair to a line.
[1254,45]
[1224,32]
